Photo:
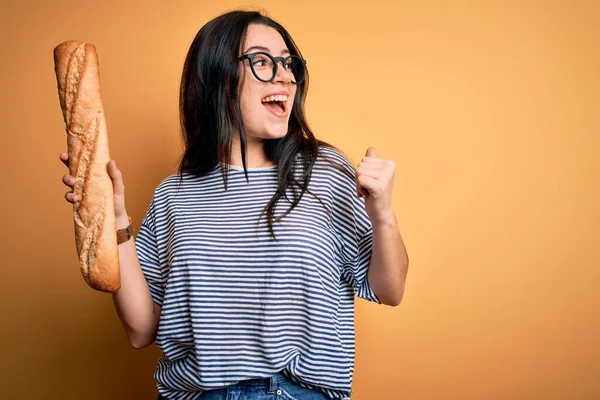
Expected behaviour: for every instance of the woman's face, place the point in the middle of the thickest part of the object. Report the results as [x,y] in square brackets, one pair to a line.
[266,116]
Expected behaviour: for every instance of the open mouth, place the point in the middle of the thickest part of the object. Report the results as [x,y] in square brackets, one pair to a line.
[277,104]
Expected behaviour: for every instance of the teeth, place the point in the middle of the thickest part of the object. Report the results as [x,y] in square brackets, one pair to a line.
[279,97]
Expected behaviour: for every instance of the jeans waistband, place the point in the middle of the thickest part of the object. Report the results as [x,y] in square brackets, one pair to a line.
[270,382]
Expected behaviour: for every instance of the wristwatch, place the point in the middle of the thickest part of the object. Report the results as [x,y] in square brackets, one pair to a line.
[124,235]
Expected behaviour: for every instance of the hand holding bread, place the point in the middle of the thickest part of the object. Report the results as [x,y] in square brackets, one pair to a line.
[118,187]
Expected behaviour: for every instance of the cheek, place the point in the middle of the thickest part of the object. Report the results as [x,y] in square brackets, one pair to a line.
[250,103]
[293,91]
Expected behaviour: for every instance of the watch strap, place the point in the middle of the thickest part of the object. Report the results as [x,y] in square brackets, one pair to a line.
[125,234]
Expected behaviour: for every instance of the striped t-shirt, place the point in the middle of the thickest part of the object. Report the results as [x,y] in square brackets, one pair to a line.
[238,305]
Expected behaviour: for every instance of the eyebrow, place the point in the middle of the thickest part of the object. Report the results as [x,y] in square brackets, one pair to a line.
[262,48]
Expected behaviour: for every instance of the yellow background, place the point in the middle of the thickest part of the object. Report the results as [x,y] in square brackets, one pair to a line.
[491,111]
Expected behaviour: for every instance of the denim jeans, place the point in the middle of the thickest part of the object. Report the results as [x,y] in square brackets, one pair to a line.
[277,387]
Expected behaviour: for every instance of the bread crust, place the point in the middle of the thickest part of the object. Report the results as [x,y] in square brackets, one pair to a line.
[77,74]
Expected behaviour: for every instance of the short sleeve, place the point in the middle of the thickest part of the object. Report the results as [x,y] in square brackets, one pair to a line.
[353,226]
[357,238]
[147,251]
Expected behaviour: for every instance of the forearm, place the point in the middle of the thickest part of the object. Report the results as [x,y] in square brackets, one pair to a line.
[389,262]
[133,301]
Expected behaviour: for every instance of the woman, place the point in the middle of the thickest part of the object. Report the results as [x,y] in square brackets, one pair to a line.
[246,264]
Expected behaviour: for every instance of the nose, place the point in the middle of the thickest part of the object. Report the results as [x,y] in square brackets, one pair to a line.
[283,75]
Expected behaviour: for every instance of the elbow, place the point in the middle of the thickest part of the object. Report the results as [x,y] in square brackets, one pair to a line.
[397,297]
[393,301]
[390,291]
[138,345]
[139,342]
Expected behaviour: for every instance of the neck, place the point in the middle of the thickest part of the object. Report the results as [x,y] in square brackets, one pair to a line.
[255,154]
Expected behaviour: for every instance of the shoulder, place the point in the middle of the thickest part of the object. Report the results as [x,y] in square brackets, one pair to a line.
[328,152]
[175,183]
[166,186]
[335,163]
[171,187]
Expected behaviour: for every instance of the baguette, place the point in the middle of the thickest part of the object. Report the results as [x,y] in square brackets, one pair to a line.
[78,78]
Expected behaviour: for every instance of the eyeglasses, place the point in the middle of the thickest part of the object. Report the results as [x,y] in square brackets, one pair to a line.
[264,66]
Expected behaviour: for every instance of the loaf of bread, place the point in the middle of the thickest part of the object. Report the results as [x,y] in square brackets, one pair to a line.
[77,74]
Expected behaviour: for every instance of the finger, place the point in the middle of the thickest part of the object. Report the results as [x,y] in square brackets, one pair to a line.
[368,171]
[361,192]
[375,160]
[71,197]
[367,183]
[372,165]
[64,157]
[371,152]
[69,180]
[117,177]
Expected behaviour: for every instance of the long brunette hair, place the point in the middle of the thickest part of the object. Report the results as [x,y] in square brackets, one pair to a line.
[210,111]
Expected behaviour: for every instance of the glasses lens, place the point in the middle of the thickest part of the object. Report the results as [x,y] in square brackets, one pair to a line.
[263,66]
[296,66]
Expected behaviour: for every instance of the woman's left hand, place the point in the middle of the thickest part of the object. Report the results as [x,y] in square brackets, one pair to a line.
[374,181]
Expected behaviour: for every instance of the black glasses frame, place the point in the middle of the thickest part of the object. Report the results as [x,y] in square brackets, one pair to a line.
[276,61]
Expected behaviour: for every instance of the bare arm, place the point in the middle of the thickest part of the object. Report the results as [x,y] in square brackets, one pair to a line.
[139,315]
[389,262]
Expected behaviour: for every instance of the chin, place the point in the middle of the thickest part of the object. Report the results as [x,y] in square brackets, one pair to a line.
[276,132]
